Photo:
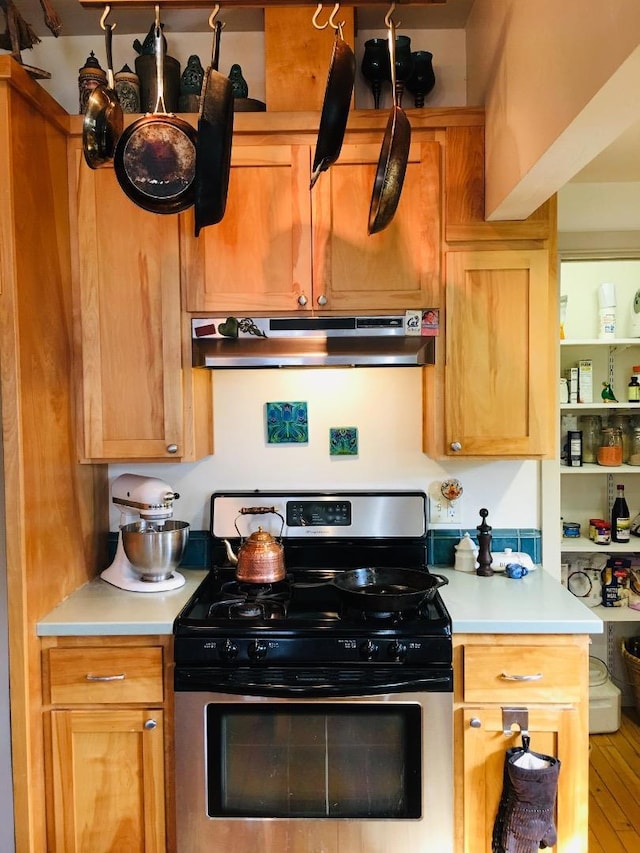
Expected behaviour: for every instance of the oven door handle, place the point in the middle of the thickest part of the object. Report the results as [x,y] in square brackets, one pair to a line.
[190,680]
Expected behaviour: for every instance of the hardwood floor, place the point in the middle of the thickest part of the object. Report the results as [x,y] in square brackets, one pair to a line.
[614,784]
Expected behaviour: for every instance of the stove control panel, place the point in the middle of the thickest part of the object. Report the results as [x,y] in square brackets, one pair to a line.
[319,513]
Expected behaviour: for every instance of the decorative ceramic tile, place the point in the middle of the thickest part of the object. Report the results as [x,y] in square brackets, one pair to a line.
[287,423]
[343,441]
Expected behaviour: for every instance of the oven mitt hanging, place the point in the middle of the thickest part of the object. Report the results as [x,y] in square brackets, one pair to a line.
[524,822]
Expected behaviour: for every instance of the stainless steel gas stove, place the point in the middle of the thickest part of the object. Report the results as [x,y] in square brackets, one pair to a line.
[325,697]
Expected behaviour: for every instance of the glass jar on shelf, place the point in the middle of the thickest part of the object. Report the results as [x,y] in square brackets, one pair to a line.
[591,426]
[610,449]
[621,422]
[634,446]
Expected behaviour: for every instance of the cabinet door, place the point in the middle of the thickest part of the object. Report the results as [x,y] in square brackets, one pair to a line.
[397,268]
[499,371]
[554,731]
[108,780]
[129,282]
[258,258]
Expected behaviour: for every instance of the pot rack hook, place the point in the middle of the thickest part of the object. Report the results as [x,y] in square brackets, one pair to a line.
[214,15]
[314,20]
[103,19]
[336,26]
[387,17]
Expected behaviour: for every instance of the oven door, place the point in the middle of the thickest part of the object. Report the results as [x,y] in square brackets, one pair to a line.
[347,775]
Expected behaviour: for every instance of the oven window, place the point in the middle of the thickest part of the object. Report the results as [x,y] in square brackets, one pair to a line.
[320,761]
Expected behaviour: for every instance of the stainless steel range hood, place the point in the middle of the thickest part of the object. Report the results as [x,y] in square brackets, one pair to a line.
[354,341]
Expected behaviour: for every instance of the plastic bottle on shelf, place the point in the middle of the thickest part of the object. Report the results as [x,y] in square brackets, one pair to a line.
[620,518]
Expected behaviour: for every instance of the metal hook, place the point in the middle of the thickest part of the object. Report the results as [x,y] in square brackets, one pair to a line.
[332,23]
[314,20]
[105,15]
[214,14]
[387,17]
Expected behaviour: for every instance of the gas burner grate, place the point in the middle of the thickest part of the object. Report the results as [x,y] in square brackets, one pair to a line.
[238,600]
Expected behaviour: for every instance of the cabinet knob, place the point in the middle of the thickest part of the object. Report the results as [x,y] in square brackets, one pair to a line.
[322,299]
[172,448]
[150,724]
[475,723]
[302,299]
[456,446]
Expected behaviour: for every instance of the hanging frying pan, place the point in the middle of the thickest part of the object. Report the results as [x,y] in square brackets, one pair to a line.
[337,101]
[213,148]
[155,157]
[103,119]
[394,153]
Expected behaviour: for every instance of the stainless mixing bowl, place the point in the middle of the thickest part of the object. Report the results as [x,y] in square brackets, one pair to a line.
[155,549]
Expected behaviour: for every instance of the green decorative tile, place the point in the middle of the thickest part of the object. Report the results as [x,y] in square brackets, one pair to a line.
[343,441]
[287,423]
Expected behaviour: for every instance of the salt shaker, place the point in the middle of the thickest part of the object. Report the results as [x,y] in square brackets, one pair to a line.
[484,546]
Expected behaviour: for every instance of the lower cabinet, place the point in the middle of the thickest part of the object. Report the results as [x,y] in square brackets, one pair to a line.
[546,677]
[106,724]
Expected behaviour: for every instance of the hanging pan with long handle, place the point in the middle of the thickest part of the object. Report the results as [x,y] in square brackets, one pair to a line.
[215,134]
[394,153]
[337,98]
[155,157]
[103,119]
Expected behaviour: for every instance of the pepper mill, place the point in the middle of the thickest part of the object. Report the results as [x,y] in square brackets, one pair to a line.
[484,546]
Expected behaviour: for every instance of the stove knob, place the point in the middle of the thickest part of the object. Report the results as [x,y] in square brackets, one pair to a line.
[368,650]
[257,650]
[397,650]
[229,650]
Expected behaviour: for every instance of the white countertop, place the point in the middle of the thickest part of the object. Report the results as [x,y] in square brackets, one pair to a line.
[535,604]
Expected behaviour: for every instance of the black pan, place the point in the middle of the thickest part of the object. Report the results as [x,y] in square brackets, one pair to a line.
[335,107]
[387,589]
[155,157]
[103,119]
[213,148]
[394,155]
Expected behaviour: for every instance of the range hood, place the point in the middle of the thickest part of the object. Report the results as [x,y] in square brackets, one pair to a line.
[354,341]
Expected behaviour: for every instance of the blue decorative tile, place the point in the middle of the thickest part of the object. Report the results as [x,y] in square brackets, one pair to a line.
[343,441]
[441,543]
[287,423]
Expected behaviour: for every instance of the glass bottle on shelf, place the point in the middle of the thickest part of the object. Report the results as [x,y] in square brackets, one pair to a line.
[591,426]
[610,449]
[620,518]
[633,389]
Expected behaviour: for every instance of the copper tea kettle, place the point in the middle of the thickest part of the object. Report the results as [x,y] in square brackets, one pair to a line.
[260,558]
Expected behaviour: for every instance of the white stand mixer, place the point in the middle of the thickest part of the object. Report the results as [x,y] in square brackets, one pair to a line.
[150,499]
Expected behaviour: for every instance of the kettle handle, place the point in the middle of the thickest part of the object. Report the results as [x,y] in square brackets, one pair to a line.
[259,510]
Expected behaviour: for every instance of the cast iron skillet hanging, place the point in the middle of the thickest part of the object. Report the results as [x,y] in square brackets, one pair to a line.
[103,119]
[213,148]
[394,153]
[155,157]
[387,589]
[337,100]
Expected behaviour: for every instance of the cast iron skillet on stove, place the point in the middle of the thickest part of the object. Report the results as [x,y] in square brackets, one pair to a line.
[387,589]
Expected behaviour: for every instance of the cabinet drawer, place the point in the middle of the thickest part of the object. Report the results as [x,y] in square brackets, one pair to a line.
[112,675]
[522,674]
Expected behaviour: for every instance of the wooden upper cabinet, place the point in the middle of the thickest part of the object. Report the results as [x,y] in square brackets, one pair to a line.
[465,196]
[395,269]
[490,394]
[258,258]
[282,247]
[136,402]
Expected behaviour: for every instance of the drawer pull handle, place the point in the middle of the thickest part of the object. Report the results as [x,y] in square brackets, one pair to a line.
[507,677]
[119,677]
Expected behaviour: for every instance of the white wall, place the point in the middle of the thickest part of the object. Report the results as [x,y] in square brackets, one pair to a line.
[385,405]
[64,56]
